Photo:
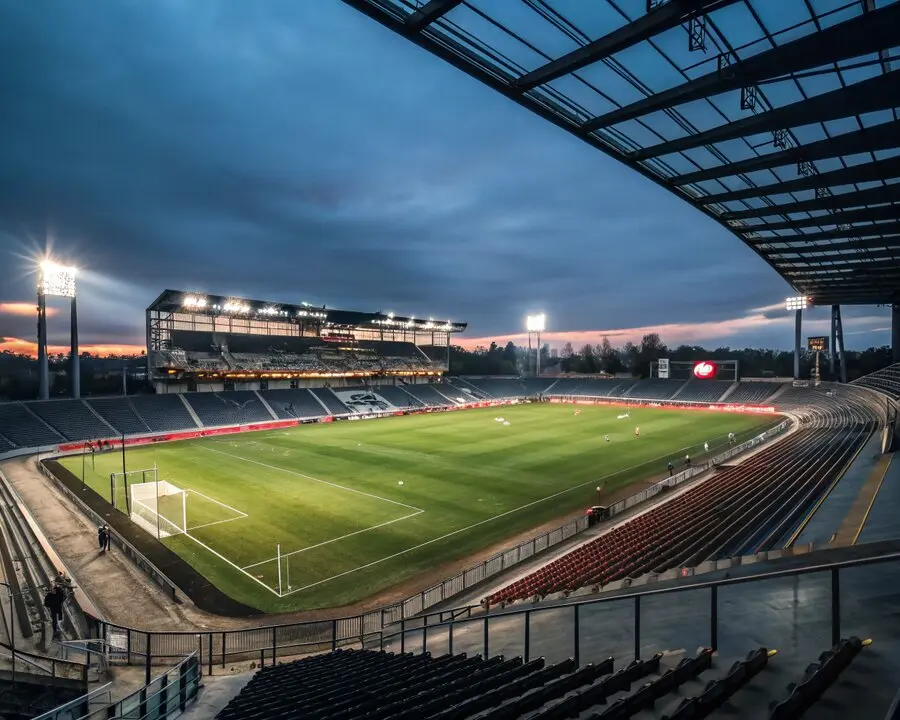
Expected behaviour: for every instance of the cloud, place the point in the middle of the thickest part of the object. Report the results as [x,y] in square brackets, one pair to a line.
[24,309]
[734,331]
[29,347]
[297,151]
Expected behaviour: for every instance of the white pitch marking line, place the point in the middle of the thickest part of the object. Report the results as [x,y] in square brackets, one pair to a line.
[328,542]
[310,477]
[217,522]
[217,502]
[475,525]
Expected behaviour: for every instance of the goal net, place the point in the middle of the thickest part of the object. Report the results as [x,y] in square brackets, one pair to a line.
[159,507]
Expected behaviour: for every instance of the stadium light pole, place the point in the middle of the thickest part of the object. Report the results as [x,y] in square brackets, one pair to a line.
[798,304]
[56,281]
[535,325]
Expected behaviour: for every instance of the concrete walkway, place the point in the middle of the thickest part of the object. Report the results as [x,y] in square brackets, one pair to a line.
[851,528]
[881,523]
[836,506]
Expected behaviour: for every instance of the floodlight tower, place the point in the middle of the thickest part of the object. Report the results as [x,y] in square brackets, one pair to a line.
[56,281]
[798,304]
[535,324]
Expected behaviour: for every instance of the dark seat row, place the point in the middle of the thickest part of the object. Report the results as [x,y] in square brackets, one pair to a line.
[742,509]
[378,686]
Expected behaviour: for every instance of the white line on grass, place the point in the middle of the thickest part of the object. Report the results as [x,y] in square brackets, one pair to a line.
[481,522]
[342,537]
[216,522]
[217,502]
[310,477]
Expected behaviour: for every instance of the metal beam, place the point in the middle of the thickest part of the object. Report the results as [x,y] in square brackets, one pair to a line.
[883,212]
[877,93]
[856,198]
[847,271]
[867,172]
[428,13]
[861,35]
[660,19]
[888,230]
[885,136]
[809,260]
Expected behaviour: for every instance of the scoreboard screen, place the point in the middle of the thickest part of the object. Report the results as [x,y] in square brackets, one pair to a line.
[817,344]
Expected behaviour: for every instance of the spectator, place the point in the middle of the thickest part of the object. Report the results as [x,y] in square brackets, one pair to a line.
[101,537]
[687,460]
[671,468]
[107,534]
[54,601]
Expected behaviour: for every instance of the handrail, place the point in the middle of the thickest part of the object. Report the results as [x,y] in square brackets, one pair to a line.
[140,699]
[689,587]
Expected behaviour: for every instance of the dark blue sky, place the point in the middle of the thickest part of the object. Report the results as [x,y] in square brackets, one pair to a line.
[297,151]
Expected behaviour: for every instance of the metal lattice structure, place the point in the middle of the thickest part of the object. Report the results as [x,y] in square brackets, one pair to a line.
[777,118]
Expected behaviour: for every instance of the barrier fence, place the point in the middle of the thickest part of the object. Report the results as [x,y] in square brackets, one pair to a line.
[166,696]
[698,469]
[631,625]
[268,643]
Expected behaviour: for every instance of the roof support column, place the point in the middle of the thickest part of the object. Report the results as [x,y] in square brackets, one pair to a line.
[798,331]
[895,333]
[832,346]
[839,331]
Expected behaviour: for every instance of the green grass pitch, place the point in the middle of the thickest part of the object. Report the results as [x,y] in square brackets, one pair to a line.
[330,494]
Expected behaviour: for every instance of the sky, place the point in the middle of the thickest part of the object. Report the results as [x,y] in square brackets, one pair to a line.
[297,151]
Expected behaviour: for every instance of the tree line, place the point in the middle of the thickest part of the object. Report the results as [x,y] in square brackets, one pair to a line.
[635,358]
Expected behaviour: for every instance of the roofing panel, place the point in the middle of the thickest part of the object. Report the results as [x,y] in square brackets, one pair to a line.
[751,110]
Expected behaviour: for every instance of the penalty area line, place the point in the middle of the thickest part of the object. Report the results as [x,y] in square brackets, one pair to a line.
[475,525]
[310,477]
[342,537]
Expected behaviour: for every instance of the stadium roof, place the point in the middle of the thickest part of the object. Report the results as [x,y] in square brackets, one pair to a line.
[171,301]
[777,118]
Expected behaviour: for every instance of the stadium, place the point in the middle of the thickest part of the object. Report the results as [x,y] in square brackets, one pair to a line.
[310,514]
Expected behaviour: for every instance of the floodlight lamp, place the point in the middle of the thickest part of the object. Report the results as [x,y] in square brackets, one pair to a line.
[192,301]
[799,302]
[536,323]
[57,279]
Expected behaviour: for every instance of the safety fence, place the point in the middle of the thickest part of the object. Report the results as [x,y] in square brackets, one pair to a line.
[268,643]
[165,696]
[125,547]
[709,613]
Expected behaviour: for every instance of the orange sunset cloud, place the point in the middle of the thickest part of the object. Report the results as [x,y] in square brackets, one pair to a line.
[24,309]
[29,347]
[672,334]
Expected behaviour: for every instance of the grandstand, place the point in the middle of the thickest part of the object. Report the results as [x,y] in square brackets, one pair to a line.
[217,343]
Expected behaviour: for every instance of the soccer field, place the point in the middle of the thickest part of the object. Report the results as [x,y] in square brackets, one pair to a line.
[331,495]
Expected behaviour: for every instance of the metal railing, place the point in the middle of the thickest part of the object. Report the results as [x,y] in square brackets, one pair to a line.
[168,694]
[136,647]
[479,632]
[127,549]
[697,469]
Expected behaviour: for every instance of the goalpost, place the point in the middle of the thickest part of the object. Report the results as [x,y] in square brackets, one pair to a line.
[119,483]
[159,507]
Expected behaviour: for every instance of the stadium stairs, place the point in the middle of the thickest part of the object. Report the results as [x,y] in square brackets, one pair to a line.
[377,685]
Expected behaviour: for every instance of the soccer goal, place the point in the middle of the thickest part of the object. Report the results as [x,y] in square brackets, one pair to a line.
[119,482]
[159,507]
